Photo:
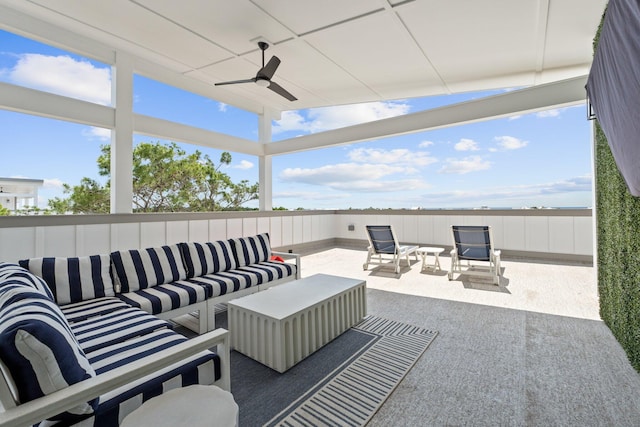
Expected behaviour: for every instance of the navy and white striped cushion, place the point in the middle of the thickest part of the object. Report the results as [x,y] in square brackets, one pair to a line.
[102,331]
[39,349]
[226,282]
[166,297]
[202,368]
[206,258]
[268,271]
[249,250]
[79,311]
[141,269]
[74,279]
[14,274]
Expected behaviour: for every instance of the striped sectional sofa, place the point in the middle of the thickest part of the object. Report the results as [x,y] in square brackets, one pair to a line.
[86,340]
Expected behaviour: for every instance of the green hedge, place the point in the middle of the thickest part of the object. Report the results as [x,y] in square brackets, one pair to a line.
[618,223]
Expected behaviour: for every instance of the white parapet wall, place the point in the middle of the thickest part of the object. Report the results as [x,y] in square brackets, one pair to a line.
[534,232]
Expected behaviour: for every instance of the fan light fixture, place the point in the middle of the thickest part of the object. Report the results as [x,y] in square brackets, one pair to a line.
[263,82]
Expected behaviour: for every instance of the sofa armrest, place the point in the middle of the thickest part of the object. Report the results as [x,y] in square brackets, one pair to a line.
[288,255]
[32,412]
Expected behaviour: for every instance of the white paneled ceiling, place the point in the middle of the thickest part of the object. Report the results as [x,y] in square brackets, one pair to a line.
[336,52]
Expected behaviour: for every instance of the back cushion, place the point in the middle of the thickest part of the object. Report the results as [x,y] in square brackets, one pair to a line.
[14,275]
[39,349]
[141,269]
[207,258]
[74,279]
[250,250]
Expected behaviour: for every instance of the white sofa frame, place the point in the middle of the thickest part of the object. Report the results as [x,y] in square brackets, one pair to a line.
[33,412]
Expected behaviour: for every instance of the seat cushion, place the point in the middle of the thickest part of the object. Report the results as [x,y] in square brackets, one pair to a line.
[116,327]
[39,348]
[268,271]
[162,298]
[74,279]
[141,269]
[80,311]
[225,282]
[202,368]
[206,258]
[250,250]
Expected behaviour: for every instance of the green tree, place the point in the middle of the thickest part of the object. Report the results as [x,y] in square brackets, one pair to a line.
[4,211]
[165,179]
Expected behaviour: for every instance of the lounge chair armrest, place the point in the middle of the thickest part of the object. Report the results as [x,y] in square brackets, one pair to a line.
[32,412]
[289,255]
[453,252]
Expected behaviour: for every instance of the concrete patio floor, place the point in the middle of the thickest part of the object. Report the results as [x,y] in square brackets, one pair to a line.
[530,352]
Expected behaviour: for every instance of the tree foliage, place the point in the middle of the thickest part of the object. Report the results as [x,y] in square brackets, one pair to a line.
[165,179]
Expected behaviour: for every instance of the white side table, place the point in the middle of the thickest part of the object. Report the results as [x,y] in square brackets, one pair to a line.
[426,250]
[193,406]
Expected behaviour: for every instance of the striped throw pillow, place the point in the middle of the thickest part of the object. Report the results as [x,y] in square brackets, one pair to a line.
[39,350]
[14,275]
[250,250]
[74,279]
[140,269]
[207,258]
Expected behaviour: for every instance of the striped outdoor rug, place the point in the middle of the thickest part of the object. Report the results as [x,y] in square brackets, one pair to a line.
[352,394]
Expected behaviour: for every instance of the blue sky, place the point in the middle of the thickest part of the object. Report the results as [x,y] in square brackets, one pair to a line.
[541,159]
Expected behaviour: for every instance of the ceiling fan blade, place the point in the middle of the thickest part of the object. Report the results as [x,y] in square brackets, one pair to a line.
[269,70]
[233,82]
[281,91]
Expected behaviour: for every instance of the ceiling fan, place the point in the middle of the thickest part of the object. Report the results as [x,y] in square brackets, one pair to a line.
[263,77]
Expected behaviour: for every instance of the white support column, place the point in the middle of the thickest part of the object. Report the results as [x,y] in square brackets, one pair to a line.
[265,177]
[122,135]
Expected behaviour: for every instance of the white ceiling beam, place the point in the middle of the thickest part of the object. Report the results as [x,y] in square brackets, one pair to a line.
[31,101]
[178,132]
[558,94]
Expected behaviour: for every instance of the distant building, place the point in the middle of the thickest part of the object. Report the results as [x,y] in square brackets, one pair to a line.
[19,193]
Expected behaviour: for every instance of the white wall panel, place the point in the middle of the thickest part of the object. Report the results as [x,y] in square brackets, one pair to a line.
[218,230]
[17,243]
[93,239]
[537,233]
[59,241]
[153,234]
[275,233]
[316,228]
[234,228]
[287,230]
[410,229]
[177,231]
[264,225]
[307,228]
[249,227]
[198,231]
[583,236]
[125,236]
[514,233]
[425,230]
[298,228]
[497,229]
[561,234]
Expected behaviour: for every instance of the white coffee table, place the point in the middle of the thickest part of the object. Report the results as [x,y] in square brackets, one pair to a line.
[282,325]
[424,251]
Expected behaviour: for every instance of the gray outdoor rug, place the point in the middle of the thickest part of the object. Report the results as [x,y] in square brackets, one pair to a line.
[342,384]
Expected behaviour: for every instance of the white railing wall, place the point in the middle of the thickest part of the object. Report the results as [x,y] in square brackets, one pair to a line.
[552,232]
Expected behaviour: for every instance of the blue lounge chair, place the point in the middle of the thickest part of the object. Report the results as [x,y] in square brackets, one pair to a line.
[384,244]
[474,243]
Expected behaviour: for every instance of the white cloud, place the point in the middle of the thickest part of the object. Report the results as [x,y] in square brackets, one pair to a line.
[244,164]
[514,193]
[519,116]
[548,113]
[354,177]
[53,183]
[510,142]
[466,144]
[399,156]
[64,76]
[326,118]
[425,144]
[97,133]
[466,165]
[222,107]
